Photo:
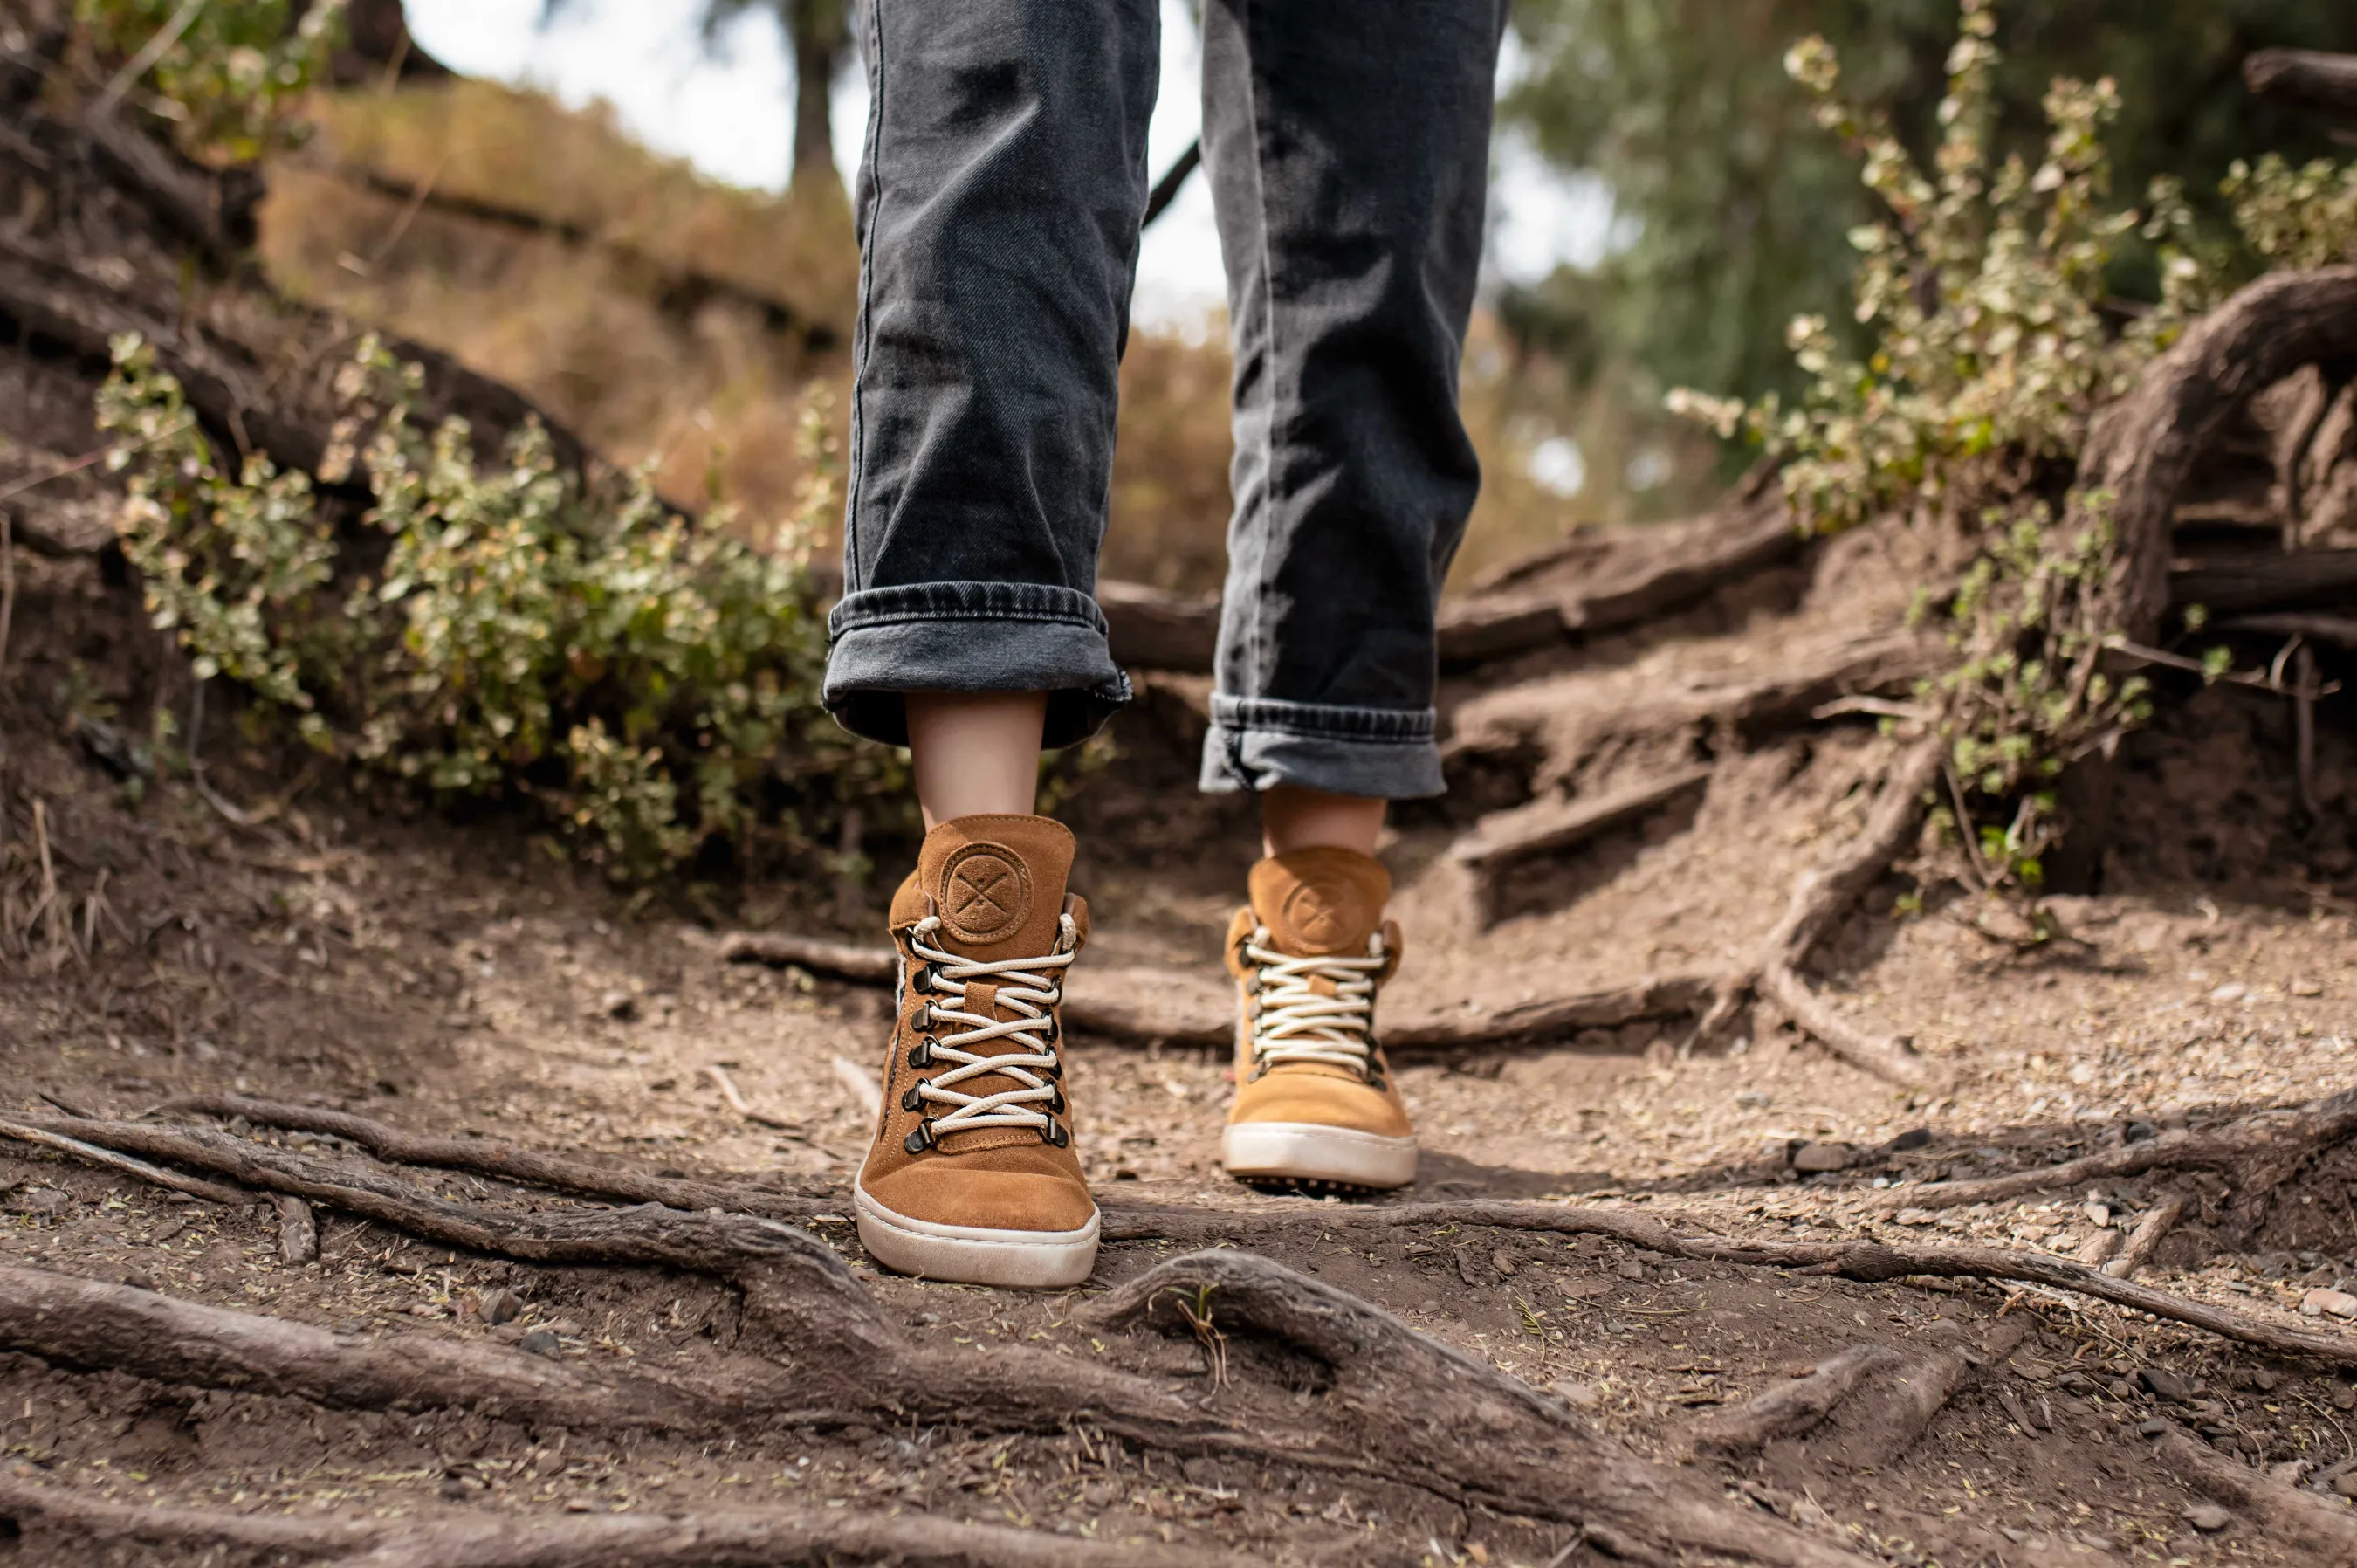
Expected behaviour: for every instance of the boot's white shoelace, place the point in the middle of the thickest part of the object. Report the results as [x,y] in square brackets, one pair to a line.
[1296,1022]
[1027,987]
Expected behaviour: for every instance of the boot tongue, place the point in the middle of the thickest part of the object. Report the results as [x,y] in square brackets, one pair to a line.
[1321,901]
[997,884]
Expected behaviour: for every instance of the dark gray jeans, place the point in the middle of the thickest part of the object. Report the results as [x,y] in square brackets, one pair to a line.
[999,194]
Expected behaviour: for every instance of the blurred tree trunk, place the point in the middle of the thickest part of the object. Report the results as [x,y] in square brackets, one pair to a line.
[376,38]
[819,33]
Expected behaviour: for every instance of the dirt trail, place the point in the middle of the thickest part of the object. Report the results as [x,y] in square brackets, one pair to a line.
[454,981]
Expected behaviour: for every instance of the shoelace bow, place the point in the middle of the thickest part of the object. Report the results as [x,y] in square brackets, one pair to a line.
[1037,986]
[1296,1022]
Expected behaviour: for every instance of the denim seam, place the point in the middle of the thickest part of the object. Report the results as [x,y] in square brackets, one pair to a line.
[900,617]
[1255,640]
[874,151]
[1350,724]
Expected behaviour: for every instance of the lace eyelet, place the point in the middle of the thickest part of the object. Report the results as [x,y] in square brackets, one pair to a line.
[914,1099]
[922,980]
[924,1018]
[922,1053]
[1054,1135]
[1056,1102]
[918,1142]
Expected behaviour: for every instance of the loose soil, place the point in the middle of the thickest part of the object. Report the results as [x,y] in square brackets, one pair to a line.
[455,978]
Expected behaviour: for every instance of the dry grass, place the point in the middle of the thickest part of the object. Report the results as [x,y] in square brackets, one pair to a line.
[713,394]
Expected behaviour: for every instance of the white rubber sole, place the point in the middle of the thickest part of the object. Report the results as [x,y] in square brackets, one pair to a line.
[1306,1151]
[973,1254]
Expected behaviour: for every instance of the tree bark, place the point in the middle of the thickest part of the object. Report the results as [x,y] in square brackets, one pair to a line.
[2144,446]
[819,31]
[2305,79]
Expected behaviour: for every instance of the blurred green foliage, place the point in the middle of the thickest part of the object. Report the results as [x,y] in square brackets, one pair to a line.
[1733,207]
[648,685]
[222,70]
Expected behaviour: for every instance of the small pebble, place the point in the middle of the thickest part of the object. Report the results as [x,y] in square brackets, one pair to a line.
[1504,1263]
[1579,1395]
[2233,991]
[499,1305]
[1815,1159]
[1631,1270]
[540,1342]
[1754,1100]
[2208,1518]
[2152,1427]
[2317,1303]
[2166,1384]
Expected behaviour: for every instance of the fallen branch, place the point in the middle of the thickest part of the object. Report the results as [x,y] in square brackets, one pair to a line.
[724,1539]
[298,1232]
[1881,1400]
[2320,1531]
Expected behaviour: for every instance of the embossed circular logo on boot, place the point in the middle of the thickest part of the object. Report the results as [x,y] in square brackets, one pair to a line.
[1324,916]
[986,893]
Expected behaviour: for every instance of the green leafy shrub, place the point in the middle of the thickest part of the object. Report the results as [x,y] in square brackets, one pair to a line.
[648,683]
[2304,217]
[1996,343]
[228,72]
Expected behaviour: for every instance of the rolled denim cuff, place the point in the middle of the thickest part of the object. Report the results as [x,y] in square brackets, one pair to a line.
[970,636]
[1255,744]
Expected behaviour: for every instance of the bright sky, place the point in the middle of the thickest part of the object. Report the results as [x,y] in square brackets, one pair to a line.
[730,111]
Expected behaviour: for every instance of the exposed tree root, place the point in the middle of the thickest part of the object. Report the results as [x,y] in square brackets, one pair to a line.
[1902,1394]
[1106,1011]
[2143,448]
[1384,1402]
[2257,1154]
[2150,1231]
[605,1176]
[2322,1531]
[729,1539]
[1490,1436]
[2307,78]
[749,1251]
[212,1192]
[1821,897]
[1511,616]
[1504,839]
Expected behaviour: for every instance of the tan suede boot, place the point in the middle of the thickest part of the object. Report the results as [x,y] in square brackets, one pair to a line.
[972,1177]
[1315,1100]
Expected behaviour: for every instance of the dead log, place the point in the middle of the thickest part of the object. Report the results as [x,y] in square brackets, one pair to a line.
[2319,1530]
[2305,79]
[57,1516]
[2143,447]
[212,1192]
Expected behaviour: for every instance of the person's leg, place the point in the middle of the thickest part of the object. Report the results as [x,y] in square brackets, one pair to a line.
[1348,149]
[998,205]
[998,200]
[975,754]
[1293,818]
